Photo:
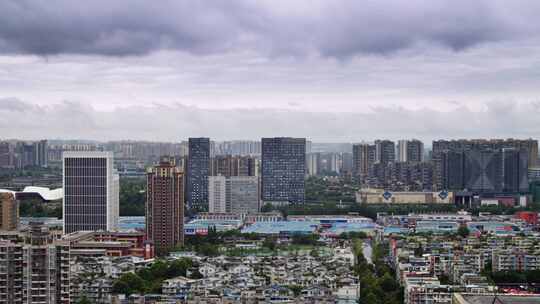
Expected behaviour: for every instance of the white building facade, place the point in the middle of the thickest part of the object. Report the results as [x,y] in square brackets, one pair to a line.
[233,194]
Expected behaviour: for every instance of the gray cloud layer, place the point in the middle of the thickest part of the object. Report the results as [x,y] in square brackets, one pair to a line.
[339,29]
[177,122]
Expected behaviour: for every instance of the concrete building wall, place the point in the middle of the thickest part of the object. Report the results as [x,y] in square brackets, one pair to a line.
[217,192]
[244,194]
[234,194]
[372,196]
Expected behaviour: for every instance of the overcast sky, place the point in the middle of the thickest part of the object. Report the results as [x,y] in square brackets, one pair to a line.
[331,71]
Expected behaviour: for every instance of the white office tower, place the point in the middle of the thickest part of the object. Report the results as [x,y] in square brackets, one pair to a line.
[402,150]
[91,191]
[312,165]
[216,194]
[233,194]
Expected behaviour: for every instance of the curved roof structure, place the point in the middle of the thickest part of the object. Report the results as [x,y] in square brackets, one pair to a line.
[45,194]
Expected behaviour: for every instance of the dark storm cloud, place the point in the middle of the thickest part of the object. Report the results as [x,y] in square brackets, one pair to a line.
[332,28]
[113,27]
[177,122]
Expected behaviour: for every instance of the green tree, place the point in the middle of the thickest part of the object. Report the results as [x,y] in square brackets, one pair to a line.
[150,279]
[196,275]
[444,279]
[358,249]
[296,289]
[353,235]
[419,251]
[154,287]
[129,283]
[132,196]
[179,268]
[84,300]
[207,249]
[509,277]
[267,207]
[533,276]
[159,269]
[36,208]
[270,243]
[463,231]
[388,283]
[377,281]
[305,239]
[369,298]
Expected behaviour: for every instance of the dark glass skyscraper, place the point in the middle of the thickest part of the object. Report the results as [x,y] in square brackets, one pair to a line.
[91,191]
[452,168]
[283,169]
[526,146]
[198,169]
[515,171]
[485,170]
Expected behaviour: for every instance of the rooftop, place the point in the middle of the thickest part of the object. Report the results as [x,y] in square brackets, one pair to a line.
[282,226]
[506,299]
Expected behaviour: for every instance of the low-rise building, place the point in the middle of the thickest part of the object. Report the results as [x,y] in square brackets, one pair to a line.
[472,298]
[515,260]
[114,243]
[381,196]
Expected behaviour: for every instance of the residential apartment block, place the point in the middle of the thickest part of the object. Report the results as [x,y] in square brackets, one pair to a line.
[165,206]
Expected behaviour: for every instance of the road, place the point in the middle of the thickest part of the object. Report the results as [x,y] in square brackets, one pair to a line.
[367,250]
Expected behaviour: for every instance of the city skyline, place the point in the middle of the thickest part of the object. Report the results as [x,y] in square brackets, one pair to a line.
[307,151]
[226,142]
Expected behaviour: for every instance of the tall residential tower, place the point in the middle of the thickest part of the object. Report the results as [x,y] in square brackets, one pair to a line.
[9,211]
[165,206]
[410,150]
[385,151]
[364,156]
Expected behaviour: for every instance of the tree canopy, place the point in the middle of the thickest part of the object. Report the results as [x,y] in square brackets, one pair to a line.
[149,279]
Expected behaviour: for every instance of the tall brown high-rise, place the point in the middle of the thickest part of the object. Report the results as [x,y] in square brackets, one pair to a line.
[165,206]
[9,211]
